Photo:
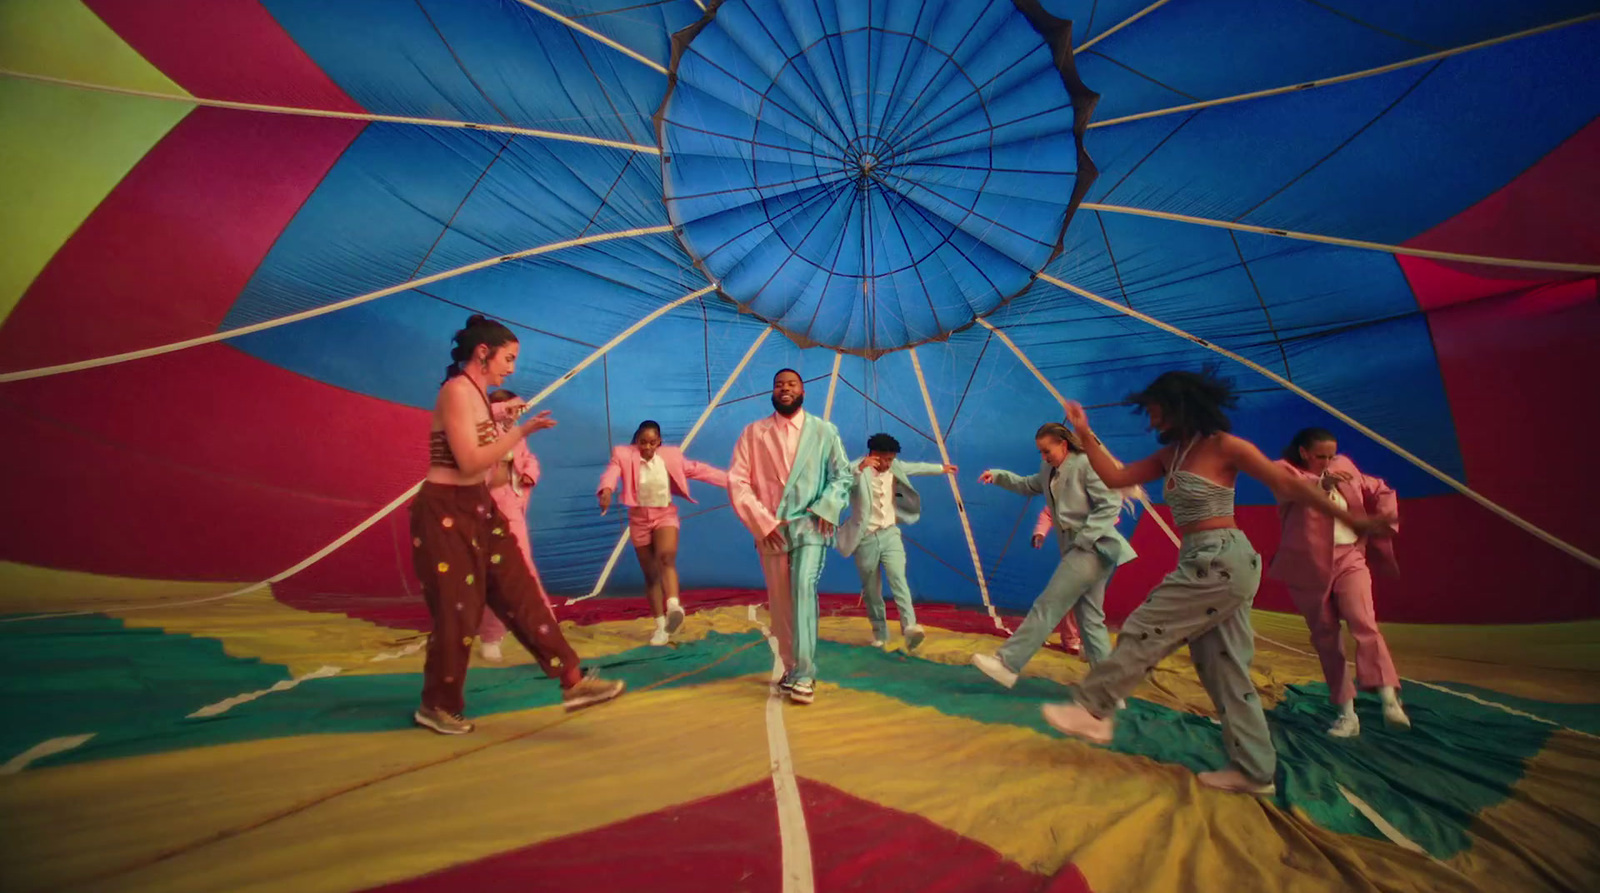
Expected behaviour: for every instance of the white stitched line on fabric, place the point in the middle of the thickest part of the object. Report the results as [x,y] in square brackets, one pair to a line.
[595,35]
[955,489]
[408,285]
[224,706]
[1487,260]
[41,750]
[1382,824]
[330,113]
[398,653]
[1343,78]
[398,501]
[1460,694]
[796,843]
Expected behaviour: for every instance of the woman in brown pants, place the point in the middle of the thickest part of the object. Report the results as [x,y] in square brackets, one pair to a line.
[462,545]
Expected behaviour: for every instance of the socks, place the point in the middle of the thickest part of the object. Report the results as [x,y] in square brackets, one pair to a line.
[661,623]
[1348,708]
[1386,693]
[672,605]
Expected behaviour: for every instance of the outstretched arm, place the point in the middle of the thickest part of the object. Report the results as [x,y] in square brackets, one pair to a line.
[1291,487]
[700,471]
[1032,485]
[912,469]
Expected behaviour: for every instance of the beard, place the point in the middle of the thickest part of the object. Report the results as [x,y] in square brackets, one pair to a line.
[791,409]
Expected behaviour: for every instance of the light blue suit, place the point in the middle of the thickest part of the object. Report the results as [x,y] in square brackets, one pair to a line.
[1085,512]
[884,546]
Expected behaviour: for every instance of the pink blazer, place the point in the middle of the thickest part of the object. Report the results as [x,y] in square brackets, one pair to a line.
[1305,549]
[523,462]
[624,467]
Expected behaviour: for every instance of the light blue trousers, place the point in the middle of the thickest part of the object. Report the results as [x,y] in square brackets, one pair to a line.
[884,547]
[792,578]
[1079,584]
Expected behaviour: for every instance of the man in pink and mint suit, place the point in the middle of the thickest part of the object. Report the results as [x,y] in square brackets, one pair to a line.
[788,482]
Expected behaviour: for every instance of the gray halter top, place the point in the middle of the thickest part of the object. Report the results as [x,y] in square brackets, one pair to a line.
[1192,497]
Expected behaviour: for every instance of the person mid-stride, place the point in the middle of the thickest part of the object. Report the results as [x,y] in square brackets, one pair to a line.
[788,483]
[1085,513]
[880,501]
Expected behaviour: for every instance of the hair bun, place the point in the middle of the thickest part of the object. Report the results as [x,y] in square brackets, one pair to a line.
[477,319]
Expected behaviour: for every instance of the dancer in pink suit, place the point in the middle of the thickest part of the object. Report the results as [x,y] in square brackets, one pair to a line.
[511,483]
[1068,628]
[1328,568]
[651,474]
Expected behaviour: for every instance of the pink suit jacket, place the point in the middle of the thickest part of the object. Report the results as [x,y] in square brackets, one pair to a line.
[523,462]
[625,463]
[1305,549]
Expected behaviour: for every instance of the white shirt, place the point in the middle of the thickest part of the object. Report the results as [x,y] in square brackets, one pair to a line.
[1343,534]
[652,485]
[880,512]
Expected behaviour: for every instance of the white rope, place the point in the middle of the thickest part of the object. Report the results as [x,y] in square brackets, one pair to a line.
[1120,25]
[214,337]
[330,113]
[596,35]
[1454,484]
[1349,243]
[1357,75]
[396,502]
[1138,491]
[622,541]
[833,385]
[955,488]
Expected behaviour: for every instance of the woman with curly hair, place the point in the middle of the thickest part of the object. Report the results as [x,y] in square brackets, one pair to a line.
[1205,602]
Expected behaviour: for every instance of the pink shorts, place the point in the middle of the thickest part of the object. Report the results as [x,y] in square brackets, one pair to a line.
[644,521]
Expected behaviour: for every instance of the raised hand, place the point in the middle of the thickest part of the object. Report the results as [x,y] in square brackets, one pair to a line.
[1076,417]
[539,422]
[986,478]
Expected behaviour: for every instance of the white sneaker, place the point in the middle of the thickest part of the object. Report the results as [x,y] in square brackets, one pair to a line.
[1122,703]
[995,669]
[1348,725]
[674,616]
[1394,716]
[878,643]
[660,637]
[914,636]
[489,650]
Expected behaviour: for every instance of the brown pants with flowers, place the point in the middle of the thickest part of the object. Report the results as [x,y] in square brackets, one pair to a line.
[466,558]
